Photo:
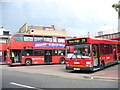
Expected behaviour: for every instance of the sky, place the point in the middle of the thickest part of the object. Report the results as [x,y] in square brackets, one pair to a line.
[77,17]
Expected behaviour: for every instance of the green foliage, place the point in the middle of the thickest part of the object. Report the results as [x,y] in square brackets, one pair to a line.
[116,6]
[74,37]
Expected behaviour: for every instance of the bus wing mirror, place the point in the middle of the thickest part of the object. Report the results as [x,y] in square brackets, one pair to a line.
[71,58]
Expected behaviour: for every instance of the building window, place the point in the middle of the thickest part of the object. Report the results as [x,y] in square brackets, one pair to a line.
[5,32]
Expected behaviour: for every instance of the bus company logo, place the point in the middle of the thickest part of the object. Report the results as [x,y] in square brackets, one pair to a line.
[45,44]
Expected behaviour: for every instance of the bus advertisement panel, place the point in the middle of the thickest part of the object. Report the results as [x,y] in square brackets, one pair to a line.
[36,49]
[3,48]
[91,54]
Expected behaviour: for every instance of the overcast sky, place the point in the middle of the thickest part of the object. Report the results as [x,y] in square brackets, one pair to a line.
[75,16]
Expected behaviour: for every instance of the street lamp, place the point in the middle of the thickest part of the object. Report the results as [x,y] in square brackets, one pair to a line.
[117,8]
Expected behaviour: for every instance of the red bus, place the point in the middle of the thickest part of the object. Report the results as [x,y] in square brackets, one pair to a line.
[91,54]
[3,48]
[118,39]
[36,49]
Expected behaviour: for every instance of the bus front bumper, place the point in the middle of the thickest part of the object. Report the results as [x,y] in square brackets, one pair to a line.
[81,68]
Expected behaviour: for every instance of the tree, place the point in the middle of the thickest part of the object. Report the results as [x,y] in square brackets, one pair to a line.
[74,37]
[117,8]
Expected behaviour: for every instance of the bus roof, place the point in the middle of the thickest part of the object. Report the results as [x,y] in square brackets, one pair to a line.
[95,40]
[41,35]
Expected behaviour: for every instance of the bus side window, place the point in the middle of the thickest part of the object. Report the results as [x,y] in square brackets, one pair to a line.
[18,37]
[61,39]
[28,38]
[28,53]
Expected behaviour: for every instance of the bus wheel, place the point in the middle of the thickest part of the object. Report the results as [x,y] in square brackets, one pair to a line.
[62,60]
[28,62]
[102,66]
[9,65]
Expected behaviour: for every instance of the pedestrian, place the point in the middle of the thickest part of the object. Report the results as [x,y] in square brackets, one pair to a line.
[13,57]
[115,55]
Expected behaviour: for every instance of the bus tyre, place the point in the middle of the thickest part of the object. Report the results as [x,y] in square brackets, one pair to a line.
[9,65]
[62,60]
[28,62]
[102,66]
[118,61]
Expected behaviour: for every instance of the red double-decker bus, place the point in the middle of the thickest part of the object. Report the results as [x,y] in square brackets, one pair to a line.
[3,48]
[36,49]
[91,54]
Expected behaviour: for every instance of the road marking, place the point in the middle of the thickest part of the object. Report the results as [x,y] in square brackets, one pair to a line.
[25,86]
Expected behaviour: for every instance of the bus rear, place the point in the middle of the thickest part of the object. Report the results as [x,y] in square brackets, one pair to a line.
[3,49]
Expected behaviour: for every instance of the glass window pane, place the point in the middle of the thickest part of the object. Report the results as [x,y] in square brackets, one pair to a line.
[61,39]
[0,53]
[38,38]
[18,37]
[27,53]
[59,52]
[47,39]
[3,40]
[79,51]
[39,52]
[54,39]
[67,38]
[28,38]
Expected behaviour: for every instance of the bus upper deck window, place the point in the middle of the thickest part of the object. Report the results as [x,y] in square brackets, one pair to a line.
[18,37]
[61,39]
[47,39]
[28,38]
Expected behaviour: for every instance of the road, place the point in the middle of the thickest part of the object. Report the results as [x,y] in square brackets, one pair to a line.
[14,79]
[51,76]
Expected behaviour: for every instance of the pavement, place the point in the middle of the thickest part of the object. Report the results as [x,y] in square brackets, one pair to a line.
[109,73]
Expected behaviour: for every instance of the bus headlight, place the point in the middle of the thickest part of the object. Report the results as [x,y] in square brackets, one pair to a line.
[87,65]
[67,65]
[87,62]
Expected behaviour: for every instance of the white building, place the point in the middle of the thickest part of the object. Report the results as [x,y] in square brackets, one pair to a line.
[4,31]
[107,33]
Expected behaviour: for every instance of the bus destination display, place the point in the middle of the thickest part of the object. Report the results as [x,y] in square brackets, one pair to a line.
[75,41]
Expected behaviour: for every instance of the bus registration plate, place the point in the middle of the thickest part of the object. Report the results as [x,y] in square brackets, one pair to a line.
[76,68]
[76,62]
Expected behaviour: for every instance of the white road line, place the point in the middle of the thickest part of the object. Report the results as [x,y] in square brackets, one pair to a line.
[25,86]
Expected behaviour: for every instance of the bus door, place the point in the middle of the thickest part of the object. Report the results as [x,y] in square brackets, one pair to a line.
[48,56]
[96,56]
[16,56]
[5,55]
[114,52]
[0,56]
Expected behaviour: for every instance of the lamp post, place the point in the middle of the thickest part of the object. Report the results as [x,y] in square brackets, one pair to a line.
[117,8]
[119,17]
